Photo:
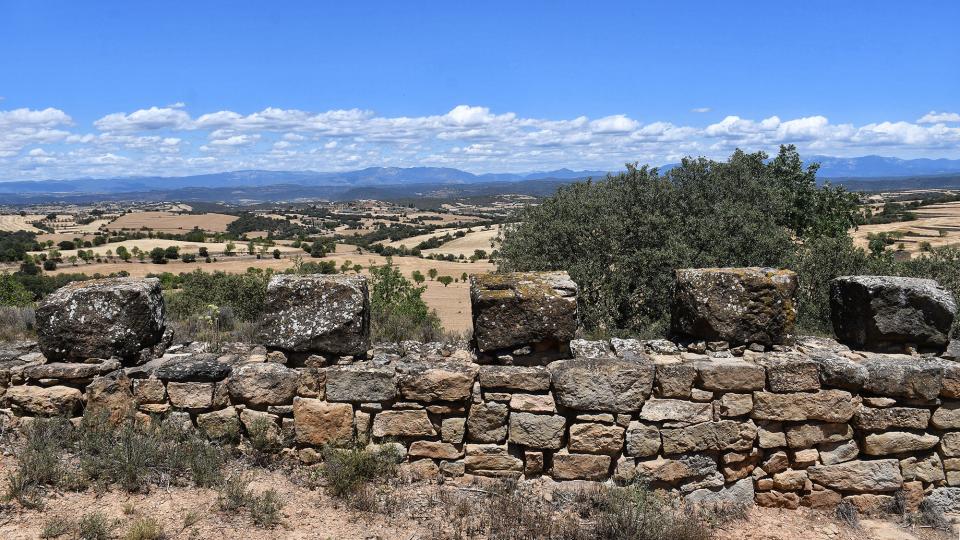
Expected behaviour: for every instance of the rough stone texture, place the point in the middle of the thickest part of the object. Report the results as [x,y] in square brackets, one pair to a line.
[434,450]
[739,495]
[881,313]
[453,430]
[738,305]
[361,383]
[730,375]
[221,424]
[950,444]
[722,435]
[675,379]
[317,422]
[839,372]
[616,385]
[515,378]
[928,468]
[792,372]
[825,405]
[149,391]
[110,396]
[593,438]
[411,423]
[676,471]
[323,314]
[513,310]
[71,371]
[580,466]
[490,457]
[582,348]
[44,401]
[448,381]
[903,376]
[101,318]
[676,410]
[871,419]
[897,442]
[642,440]
[947,416]
[859,476]
[946,499]
[263,384]
[838,452]
[191,395]
[533,403]
[487,422]
[538,431]
[735,404]
[813,433]
[203,367]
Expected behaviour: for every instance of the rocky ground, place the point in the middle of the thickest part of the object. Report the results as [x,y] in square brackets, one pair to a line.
[417,510]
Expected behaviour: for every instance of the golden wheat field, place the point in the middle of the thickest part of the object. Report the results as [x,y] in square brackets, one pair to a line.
[16,222]
[931,220]
[171,222]
[466,246]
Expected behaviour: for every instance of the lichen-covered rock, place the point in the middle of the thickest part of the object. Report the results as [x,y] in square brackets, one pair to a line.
[323,314]
[945,499]
[676,410]
[317,422]
[881,313]
[903,376]
[642,440]
[738,495]
[675,379]
[360,383]
[614,385]
[110,396]
[838,371]
[44,401]
[791,372]
[537,309]
[872,419]
[202,367]
[101,318]
[540,431]
[487,422]
[592,438]
[859,476]
[677,470]
[730,375]
[429,382]
[73,372]
[738,305]
[222,424]
[515,378]
[263,384]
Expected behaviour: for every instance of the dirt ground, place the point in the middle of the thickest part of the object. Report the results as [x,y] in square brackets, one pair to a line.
[171,222]
[419,508]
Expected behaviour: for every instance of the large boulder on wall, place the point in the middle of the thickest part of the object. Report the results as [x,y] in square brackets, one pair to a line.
[523,309]
[101,318]
[738,305]
[887,313]
[322,314]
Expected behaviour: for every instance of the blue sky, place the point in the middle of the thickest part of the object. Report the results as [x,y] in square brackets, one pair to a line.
[118,88]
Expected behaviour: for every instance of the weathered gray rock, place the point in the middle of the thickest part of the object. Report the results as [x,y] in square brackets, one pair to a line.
[582,348]
[361,383]
[615,385]
[881,313]
[838,452]
[730,375]
[487,422]
[791,372]
[826,405]
[675,379]
[903,376]
[101,318]
[513,310]
[925,467]
[222,424]
[540,431]
[70,371]
[947,416]
[860,476]
[429,382]
[515,378]
[839,372]
[323,314]
[709,436]
[738,305]
[263,384]
[946,499]
[677,470]
[897,442]
[202,367]
[676,410]
[738,495]
[871,419]
[642,440]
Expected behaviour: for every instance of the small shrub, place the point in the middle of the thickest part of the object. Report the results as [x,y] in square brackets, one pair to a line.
[56,527]
[233,493]
[848,514]
[931,515]
[265,508]
[347,469]
[95,526]
[145,528]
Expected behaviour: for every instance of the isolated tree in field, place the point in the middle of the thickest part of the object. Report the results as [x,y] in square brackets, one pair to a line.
[202,251]
[463,277]
[418,277]
[446,280]
[231,247]
[250,248]
[158,255]
[432,273]
[109,254]
[173,252]
[276,254]
[357,268]
[123,253]
[317,249]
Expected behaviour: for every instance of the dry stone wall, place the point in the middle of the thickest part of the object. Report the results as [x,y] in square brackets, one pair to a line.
[732,411]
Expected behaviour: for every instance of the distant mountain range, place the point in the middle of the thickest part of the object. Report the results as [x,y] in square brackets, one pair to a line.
[859,173]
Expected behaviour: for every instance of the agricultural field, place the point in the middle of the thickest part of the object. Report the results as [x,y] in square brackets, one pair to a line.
[16,222]
[171,222]
[452,303]
[938,224]
[485,240]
